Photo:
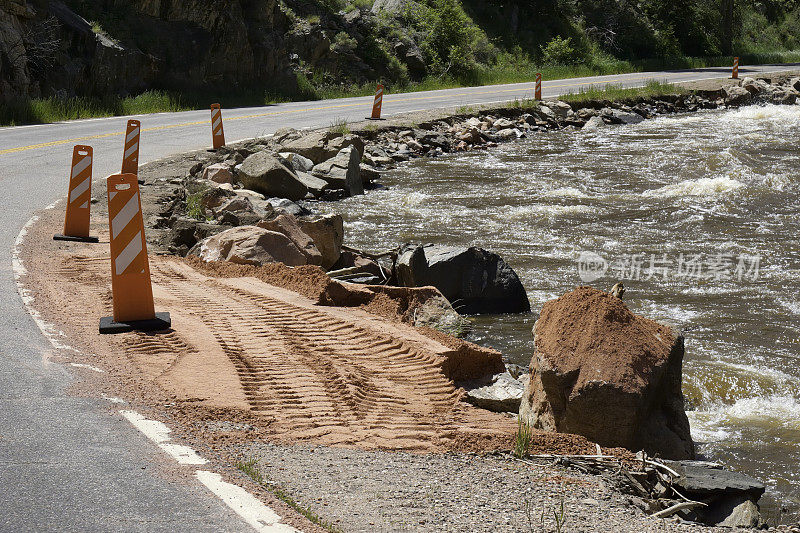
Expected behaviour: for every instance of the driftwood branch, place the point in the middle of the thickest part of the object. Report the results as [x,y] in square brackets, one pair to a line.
[669,511]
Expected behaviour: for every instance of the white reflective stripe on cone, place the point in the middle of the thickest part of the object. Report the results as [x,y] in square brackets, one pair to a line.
[125,216]
[128,254]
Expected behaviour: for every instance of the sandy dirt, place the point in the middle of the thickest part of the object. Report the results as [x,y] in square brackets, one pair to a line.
[329,375]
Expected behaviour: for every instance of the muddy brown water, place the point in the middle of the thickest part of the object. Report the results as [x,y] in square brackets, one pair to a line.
[698,214]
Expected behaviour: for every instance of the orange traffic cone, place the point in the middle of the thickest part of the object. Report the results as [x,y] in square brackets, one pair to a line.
[735,73]
[130,157]
[76,221]
[378,104]
[217,131]
[130,269]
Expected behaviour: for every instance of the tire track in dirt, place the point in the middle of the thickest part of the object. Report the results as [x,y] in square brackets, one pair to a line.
[326,375]
[321,376]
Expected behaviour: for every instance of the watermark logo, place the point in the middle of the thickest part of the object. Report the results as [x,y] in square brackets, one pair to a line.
[591,267]
[645,267]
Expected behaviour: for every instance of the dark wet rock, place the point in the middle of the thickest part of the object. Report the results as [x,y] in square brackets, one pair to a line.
[185,233]
[731,496]
[701,481]
[617,116]
[287,206]
[472,279]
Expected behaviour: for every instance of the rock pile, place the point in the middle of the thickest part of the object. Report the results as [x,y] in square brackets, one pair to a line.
[602,372]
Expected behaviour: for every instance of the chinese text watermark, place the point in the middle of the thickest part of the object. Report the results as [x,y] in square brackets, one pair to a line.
[646,267]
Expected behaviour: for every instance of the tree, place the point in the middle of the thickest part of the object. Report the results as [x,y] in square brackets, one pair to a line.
[727,11]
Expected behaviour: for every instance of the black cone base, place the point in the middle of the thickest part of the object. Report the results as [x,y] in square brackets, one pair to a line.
[370,118]
[75,239]
[162,321]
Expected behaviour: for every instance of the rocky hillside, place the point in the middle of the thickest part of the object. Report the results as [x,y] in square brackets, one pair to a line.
[107,47]
[292,48]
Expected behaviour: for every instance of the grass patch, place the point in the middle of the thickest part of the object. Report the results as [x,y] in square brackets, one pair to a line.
[250,467]
[194,203]
[339,125]
[522,439]
[616,92]
[525,103]
[508,69]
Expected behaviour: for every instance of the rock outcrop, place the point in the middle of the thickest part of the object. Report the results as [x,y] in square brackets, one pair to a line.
[474,280]
[600,371]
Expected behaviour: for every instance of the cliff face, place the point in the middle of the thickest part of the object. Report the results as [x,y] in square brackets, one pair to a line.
[50,47]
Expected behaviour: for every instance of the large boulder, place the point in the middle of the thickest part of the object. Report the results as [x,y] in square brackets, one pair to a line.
[737,96]
[290,226]
[342,171]
[600,371]
[327,232]
[474,280]
[311,146]
[264,173]
[617,116]
[337,144]
[250,245]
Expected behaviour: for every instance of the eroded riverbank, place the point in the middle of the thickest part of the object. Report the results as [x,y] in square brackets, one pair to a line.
[721,185]
[501,205]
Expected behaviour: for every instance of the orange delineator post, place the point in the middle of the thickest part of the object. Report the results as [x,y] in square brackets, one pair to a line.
[76,221]
[376,107]
[130,270]
[130,158]
[735,74]
[538,93]
[217,132]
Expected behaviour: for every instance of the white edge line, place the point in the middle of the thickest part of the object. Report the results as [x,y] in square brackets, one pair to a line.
[247,506]
[88,367]
[158,432]
[253,511]
[50,331]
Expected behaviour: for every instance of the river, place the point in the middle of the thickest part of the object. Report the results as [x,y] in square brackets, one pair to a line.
[698,214]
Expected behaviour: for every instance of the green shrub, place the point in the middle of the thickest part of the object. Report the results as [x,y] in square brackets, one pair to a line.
[559,51]
[451,43]
[344,43]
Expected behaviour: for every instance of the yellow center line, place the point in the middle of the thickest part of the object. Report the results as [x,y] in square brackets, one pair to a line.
[305,110]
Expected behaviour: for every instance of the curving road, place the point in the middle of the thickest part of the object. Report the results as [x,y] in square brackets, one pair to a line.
[66,463]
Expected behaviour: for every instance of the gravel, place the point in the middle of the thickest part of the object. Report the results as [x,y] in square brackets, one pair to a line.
[377,491]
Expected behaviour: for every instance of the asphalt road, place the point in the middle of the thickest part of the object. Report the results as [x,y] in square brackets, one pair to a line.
[66,464]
